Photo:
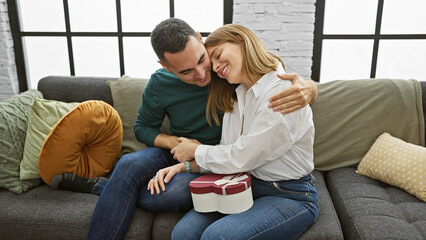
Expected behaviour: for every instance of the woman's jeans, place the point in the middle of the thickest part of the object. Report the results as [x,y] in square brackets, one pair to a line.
[281,210]
[127,188]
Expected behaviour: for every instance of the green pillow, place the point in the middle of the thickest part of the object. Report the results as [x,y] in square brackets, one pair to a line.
[127,97]
[43,116]
[13,127]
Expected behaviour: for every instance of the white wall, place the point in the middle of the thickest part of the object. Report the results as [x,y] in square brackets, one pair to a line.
[285,26]
[8,76]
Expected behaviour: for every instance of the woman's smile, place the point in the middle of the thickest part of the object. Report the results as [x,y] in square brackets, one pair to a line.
[224,71]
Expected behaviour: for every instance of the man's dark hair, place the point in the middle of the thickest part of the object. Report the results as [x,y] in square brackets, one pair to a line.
[171,35]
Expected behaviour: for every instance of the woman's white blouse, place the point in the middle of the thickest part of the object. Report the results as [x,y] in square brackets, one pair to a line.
[272,146]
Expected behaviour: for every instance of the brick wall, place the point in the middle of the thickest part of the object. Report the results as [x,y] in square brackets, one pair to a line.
[285,26]
[8,76]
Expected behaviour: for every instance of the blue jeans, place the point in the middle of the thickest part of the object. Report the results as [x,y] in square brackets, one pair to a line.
[281,210]
[127,189]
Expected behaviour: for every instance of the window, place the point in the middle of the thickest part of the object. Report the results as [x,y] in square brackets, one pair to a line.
[357,39]
[106,38]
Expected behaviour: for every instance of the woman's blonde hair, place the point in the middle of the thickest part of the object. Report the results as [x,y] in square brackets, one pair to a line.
[257,61]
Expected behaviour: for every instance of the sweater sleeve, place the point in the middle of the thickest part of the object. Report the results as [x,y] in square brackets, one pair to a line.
[150,115]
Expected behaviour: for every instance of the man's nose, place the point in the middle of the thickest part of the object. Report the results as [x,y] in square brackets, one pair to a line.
[200,73]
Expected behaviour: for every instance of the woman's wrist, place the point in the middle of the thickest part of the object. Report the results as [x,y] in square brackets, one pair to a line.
[188,167]
[182,167]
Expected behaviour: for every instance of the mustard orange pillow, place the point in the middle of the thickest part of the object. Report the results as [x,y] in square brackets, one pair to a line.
[43,116]
[86,141]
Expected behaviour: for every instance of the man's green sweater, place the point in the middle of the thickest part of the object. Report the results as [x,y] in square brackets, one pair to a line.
[183,103]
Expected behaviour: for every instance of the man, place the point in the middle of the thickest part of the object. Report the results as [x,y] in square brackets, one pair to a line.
[179,90]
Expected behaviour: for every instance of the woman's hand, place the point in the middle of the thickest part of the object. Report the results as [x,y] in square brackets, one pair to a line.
[164,176]
[300,94]
[185,151]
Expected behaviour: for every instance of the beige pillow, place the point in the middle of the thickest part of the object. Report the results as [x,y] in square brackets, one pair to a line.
[397,163]
[43,116]
[127,97]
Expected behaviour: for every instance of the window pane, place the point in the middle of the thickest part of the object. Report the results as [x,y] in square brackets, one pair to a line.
[404,17]
[402,59]
[45,56]
[96,56]
[143,16]
[346,59]
[93,15]
[201,15]
[350,17]
[47,15]
[139,57]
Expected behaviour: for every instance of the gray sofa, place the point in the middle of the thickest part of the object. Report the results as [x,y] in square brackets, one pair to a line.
[351,206]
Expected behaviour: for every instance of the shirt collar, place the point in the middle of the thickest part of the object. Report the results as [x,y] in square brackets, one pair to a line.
[259,86]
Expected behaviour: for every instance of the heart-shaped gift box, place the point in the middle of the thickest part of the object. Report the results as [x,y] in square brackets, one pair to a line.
[227,194]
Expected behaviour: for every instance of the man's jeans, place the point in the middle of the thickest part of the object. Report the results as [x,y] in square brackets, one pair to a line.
[127,188]
[281,210]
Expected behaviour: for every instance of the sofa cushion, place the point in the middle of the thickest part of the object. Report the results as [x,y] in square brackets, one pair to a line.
[13,128]
[327,219]
[164,223]
[86,141]
[397,163]
[369,209]
[43,116]
[46,213]
[349,116]
[127,97]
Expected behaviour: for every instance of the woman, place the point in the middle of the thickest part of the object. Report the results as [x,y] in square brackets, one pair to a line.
[277,150]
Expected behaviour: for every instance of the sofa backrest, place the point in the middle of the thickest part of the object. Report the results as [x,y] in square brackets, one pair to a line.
[76,89]
[423,84]
[349,115]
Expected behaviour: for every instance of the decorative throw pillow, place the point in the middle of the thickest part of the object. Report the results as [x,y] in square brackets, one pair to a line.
[397,163]
[86,141]
[127,97]
[13,127]
[43,116]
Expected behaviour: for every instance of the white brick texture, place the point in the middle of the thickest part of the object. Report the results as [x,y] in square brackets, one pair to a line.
[285,26]
[8,75]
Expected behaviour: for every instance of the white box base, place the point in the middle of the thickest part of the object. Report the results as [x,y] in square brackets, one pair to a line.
[227,204]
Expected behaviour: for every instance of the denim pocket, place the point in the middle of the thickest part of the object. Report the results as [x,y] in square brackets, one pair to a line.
[290,188]
[312,180]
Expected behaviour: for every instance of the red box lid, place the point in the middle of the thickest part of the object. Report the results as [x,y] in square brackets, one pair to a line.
[223,184]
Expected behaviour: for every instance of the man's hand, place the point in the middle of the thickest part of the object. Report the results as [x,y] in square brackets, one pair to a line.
[165,141]
[300,94]
[169,141]
[185,151]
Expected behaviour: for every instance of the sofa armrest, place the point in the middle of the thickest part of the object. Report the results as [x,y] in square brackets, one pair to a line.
[423,86]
